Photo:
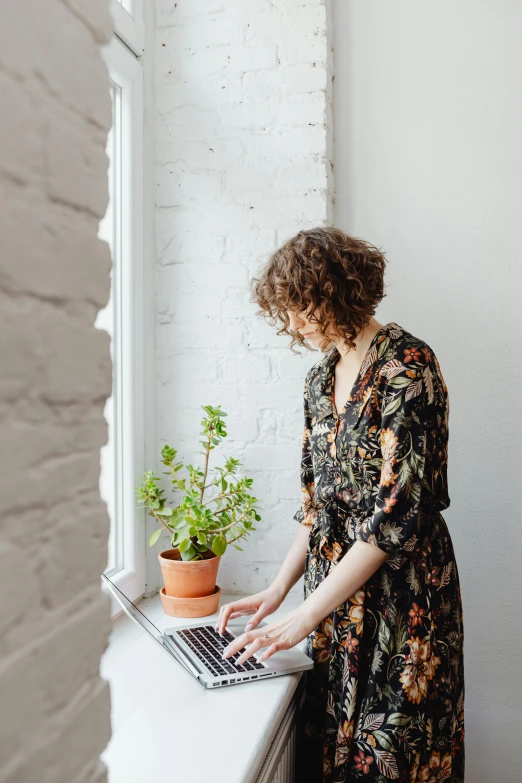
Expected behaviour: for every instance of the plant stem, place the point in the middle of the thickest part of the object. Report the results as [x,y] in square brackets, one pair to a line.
[234,539]
[224,475]
[222,510]
[218,497]
[207,454]
[221,529]
[159,519]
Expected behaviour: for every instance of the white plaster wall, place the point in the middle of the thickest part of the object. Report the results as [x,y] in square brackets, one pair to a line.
[243,162]
[56,374]
[428,165]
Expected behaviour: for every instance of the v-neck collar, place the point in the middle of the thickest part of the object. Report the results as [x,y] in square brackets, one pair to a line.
[325,400]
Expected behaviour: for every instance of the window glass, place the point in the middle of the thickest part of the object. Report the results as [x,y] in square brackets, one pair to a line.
[110,319]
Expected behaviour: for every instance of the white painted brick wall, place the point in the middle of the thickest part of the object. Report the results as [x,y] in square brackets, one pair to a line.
[244,138]
[56,374]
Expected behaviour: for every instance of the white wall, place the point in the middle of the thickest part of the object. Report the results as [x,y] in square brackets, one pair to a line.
[55,377]
[243,148]
[428,165]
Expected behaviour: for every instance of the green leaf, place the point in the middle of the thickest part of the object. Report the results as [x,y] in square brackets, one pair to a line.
[383,347]
[219,544]
[165,512]
[399,383]
[384,637]
[185,544]
[384,740]
[238,547]
[392,406]
[154,537]
[202,538]
[398,719]
[189,553]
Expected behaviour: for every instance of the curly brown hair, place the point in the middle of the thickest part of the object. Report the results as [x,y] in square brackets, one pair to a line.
[336,279]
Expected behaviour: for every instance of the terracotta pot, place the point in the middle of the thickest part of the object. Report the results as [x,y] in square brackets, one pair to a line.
[191,607]
[188,578]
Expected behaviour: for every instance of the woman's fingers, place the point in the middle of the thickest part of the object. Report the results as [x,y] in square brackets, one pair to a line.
[240,613]
[239,642]
[261,613]
[252,648]
[252,641]
[271,650]
[257,644]
[227,609]
[279,635]
[224,614]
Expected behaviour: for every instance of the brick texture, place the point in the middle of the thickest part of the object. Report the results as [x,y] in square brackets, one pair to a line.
[56,375]
[244,147]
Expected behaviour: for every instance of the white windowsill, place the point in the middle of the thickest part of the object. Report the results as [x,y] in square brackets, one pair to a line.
[168,727]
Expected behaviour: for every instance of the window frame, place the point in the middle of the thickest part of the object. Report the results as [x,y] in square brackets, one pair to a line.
[129,23]
[126,71]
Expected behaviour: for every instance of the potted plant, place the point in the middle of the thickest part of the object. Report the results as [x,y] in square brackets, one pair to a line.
[200,526]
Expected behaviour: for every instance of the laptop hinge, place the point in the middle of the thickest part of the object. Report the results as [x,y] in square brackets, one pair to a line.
[188,665]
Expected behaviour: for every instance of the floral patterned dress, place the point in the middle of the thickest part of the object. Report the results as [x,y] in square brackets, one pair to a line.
[385,699]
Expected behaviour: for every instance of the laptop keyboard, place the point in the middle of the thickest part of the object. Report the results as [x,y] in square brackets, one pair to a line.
[208,644]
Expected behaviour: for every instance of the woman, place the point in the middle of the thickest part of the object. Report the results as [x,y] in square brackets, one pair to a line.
[382,613]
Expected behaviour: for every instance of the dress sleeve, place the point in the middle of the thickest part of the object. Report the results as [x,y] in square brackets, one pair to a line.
[405,421]
[306,514]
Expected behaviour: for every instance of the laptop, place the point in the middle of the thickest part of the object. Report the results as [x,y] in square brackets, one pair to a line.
[197,647]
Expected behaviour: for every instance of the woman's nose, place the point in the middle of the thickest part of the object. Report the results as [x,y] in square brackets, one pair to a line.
[295,323]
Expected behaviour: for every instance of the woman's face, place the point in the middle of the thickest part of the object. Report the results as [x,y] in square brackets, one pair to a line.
[299,322]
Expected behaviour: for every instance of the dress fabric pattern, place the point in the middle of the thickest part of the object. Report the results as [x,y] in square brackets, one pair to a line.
[385,699]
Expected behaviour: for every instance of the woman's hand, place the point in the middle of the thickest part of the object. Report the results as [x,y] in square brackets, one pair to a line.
[282,635]
[262,604]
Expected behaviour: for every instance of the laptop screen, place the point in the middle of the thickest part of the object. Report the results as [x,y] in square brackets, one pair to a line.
[138,617]
[133,611]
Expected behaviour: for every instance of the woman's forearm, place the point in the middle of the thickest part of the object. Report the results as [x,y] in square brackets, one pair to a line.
[360,563]
[294,563]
